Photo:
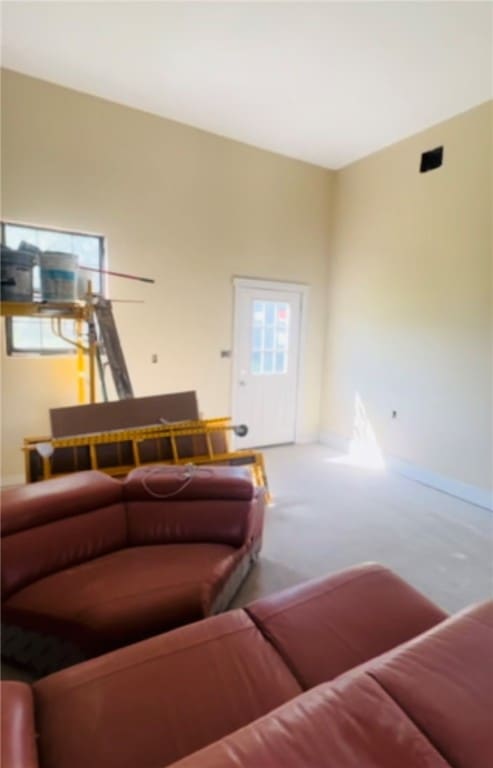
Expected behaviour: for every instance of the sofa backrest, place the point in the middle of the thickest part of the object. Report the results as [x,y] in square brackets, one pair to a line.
[152,703]
[426,703]
[443,680]
[58,523]
[169,504]
[350,723]
[345,620]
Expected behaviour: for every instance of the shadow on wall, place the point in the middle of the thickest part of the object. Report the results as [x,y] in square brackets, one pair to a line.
[363,450]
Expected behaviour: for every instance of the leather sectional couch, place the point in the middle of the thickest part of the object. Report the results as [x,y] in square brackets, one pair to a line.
[357,670]
[90,563]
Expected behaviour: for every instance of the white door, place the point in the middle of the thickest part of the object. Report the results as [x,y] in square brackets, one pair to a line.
[266,362]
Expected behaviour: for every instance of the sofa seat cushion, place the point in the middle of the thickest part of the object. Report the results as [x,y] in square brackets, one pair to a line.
[349,723]
[154,702]
[124,596]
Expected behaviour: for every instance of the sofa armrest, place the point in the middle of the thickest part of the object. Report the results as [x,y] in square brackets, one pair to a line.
[18,730]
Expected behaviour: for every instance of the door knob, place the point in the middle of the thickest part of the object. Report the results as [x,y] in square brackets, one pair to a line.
[242,383]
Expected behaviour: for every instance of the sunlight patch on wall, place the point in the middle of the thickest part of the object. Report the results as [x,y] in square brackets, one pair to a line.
[364,450]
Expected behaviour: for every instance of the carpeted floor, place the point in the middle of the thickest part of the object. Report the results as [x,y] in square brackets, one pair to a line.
[327,515]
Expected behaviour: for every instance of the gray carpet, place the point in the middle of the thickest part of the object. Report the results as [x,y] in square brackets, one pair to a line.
[326,516]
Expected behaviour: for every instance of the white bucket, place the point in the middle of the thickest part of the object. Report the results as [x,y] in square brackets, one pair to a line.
[58,276]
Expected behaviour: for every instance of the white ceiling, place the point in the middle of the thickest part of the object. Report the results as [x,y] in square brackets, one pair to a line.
[324,82]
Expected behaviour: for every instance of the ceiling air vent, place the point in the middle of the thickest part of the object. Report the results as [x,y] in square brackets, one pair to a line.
[431,160]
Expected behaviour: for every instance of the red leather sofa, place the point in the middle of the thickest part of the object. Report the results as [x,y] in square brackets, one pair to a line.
[90,563]
[357,670]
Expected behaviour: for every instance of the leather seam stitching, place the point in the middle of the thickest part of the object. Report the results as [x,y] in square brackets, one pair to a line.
[143,662]
[419,728]
[323,593]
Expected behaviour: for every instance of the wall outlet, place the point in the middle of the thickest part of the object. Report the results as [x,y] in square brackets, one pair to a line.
[154,358]
[394,414]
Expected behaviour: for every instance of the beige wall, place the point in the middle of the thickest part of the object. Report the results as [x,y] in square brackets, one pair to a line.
[409,296]
[410,312]
[185,207]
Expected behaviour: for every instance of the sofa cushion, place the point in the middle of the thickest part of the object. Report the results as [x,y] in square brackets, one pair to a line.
[345,619]
[350,723]
[443,680]
[124,596]
[18,740]
[178,522]
[154,702]
[168,505]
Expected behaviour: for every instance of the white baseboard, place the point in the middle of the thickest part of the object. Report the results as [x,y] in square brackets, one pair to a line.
[12,480]
[337,442]
[307,437]
[480,497]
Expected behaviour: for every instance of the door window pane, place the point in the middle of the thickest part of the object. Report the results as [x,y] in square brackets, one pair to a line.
[257,337]
[258,312]
[257,362]
[268,362]
[270,312]
[281,362]
[281,339]
[282,313]
[270,337]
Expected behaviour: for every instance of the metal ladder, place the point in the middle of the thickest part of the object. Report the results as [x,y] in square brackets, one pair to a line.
[109,347]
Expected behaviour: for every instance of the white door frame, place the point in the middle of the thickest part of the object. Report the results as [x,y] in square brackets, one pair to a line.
[275,285]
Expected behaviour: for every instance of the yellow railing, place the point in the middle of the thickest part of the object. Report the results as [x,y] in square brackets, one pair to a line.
[164,442]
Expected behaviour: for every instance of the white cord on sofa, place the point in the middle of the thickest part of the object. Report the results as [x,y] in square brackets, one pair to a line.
[189,472]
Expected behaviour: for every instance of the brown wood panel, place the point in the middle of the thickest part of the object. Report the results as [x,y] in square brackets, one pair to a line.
[123,414]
